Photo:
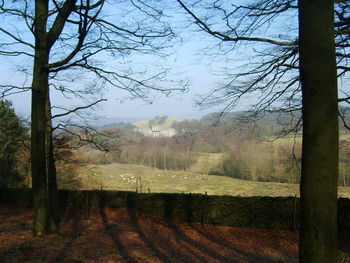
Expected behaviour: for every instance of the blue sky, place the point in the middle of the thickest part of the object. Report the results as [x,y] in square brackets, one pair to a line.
[185,59]
[188,60]
[180,105]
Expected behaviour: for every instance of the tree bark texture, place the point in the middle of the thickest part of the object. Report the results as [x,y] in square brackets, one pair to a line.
[43,221]
[51,165]
[319,177]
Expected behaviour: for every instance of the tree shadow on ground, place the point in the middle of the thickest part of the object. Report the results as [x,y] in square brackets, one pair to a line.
[73,218]
[172,243]
[164,255]
[221,241]
[113,231]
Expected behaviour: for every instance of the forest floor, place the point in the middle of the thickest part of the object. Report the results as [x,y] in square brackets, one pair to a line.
[121,235]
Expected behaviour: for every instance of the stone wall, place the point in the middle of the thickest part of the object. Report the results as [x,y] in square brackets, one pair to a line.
[253,212]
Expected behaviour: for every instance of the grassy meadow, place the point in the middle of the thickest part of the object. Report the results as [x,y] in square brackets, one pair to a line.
[145,179]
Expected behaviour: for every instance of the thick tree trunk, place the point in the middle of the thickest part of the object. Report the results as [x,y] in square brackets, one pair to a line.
[319,178]
[43,222]
[51,166]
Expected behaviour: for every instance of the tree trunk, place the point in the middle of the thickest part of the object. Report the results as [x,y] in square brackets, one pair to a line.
[319,177]
[43,222]
[51,166]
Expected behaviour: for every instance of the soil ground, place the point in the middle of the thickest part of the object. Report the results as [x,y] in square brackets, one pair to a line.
[121,235]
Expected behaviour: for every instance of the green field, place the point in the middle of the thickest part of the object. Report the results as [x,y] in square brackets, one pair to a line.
[147,179]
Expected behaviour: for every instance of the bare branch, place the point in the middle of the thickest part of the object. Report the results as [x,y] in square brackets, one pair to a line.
[342,117]
[18,39]
[225,37]
[78,109]
[88,135]
[8,90]
[63,14]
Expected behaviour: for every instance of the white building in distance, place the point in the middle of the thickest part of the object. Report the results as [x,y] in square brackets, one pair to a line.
[156,131]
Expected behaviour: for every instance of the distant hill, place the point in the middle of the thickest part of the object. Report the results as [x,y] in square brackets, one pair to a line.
[109,122]
[161,121]
[217,118]
[271,121]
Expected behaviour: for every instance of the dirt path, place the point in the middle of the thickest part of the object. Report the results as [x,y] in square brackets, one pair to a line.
[119,235]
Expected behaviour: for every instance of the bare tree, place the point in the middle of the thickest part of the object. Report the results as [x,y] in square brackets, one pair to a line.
[61,38]
[266,35]
[291,70]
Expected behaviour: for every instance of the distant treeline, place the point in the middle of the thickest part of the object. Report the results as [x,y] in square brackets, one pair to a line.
[249,151]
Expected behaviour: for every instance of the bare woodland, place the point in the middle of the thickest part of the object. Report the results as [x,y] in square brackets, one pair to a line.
[294,68]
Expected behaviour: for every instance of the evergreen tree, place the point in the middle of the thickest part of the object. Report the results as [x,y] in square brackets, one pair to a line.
[12,133]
